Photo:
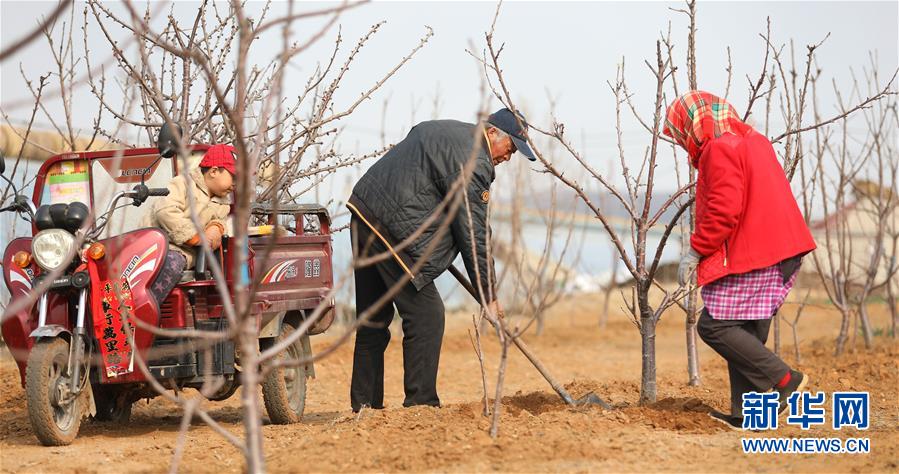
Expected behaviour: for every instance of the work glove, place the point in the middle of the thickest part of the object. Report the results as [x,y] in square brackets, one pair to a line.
[687,267]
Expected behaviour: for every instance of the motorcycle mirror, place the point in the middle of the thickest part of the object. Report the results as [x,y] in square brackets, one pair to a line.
[11,184]
[24,204]
[169,141]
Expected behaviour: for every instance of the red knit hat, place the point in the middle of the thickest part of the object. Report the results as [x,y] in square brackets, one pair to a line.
[220,156]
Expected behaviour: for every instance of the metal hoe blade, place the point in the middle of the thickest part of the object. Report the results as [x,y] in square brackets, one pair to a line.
[592,399]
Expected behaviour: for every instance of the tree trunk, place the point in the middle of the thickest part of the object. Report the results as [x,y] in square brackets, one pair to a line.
[891,301]
[844,333]
[692,349]
[866,324]
[648,387]
[249,362]
[500,377]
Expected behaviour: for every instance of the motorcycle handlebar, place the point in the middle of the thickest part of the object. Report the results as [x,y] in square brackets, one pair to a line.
[141,192]
[20,204]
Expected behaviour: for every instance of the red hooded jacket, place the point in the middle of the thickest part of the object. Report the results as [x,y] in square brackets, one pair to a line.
[746,215]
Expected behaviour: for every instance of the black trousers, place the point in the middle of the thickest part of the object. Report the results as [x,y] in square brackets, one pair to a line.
[423,315]
[750,365]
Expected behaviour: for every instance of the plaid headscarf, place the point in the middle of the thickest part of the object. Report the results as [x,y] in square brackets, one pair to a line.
[696,117]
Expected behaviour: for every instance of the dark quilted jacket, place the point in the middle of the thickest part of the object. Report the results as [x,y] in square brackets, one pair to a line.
[398,193]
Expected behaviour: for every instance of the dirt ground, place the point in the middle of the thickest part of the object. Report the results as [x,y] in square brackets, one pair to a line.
[538,432]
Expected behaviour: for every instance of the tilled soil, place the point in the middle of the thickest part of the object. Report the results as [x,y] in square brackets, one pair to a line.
[538,433]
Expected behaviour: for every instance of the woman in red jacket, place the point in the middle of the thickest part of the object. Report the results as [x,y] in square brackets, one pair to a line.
[746,246]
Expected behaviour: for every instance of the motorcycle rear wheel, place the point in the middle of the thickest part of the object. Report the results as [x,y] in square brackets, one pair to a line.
[284,389]
[55,415]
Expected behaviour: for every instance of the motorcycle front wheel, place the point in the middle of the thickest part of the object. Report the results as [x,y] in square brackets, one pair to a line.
[55,414]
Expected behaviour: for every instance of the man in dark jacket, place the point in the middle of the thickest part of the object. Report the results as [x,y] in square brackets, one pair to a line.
[398,208]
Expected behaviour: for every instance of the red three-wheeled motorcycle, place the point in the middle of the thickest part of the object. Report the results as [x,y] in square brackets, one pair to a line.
[70,341]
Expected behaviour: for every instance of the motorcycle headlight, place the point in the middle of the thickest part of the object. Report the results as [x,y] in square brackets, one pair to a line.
[50,248]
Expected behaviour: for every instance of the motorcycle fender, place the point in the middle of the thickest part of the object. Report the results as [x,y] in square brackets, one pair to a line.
[16,326]
[92,404]
[50,330]
[273,327]
[307,349]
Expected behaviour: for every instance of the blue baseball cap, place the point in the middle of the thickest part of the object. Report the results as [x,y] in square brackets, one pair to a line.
[506,121]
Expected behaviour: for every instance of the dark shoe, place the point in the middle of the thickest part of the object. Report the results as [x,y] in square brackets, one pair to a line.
[731,421]
[797,383]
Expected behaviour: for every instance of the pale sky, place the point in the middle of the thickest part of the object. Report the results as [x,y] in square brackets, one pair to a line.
[566,50]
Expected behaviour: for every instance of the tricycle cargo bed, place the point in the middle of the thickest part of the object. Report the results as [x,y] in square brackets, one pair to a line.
[293,268]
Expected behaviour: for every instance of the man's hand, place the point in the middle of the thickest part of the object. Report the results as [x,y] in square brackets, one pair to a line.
[214,236]
[687,267]
[494,309]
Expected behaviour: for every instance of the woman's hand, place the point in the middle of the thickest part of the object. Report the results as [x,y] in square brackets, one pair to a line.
[687,267]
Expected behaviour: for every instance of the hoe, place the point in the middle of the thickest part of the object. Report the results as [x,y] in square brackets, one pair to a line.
[588,399]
